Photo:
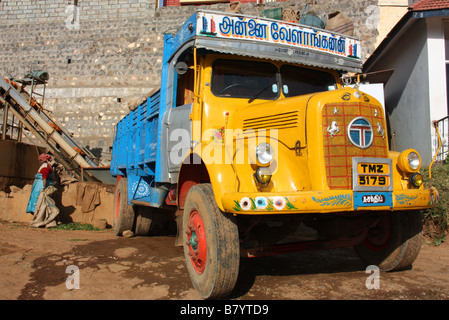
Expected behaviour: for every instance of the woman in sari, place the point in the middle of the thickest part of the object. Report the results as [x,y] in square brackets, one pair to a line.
[42,180]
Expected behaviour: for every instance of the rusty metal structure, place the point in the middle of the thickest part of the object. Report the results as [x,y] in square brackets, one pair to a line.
[22,101]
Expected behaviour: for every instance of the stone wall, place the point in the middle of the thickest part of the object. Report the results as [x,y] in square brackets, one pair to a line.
[42,12]
[101,54]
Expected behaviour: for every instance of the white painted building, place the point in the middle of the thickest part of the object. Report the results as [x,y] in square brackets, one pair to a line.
[416,95]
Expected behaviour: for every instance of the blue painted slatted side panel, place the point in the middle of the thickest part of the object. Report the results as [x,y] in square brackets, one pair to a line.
[131,139]
[135,144]
[119,144]
[151,142]
[140,134]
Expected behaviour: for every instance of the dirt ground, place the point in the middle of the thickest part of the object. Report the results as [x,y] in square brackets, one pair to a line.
[33,266]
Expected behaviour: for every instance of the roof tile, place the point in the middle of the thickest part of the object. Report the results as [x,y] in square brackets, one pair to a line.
[423,5]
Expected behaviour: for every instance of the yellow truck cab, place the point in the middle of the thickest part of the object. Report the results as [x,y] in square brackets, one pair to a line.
[256,147]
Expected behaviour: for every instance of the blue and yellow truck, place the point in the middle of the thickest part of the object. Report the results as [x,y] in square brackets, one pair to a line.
[254,146]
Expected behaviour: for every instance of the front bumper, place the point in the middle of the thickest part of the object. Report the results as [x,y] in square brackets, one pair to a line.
[328,201]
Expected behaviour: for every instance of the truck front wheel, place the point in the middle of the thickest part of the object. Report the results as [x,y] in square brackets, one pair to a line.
[211,244]
[394,242]
[123,212]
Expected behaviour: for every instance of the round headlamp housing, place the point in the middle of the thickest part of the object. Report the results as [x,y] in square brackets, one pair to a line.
[416,180]
[264,153]
[409,161]
[263,175]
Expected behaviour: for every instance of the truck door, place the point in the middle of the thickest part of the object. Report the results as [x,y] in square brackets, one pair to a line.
[179,127]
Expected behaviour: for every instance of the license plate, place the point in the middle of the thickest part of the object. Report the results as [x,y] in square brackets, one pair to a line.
[372,174]
[373,168]
[373,181]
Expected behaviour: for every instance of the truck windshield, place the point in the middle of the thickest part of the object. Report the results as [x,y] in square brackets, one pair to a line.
[245,79]
[297,81]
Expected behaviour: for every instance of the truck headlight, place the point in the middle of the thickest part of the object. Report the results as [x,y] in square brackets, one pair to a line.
[409,161]
[264,153]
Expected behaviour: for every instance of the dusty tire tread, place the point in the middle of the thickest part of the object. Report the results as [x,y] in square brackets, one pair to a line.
[404,247]
[126,212]
[227,251]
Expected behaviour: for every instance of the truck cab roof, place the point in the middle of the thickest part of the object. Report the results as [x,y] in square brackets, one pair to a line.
[265,38]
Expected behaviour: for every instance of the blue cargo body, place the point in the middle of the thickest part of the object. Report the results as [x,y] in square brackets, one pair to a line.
[134,153]
[135,140]
[137,152]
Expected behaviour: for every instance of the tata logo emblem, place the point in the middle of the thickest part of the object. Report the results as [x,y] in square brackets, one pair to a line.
[360,132]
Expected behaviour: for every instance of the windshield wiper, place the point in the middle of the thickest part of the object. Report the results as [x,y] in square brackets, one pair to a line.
[258,93]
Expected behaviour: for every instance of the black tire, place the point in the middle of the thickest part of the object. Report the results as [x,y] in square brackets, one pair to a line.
[123,216]
[144,220]
[394,243]
[213,261]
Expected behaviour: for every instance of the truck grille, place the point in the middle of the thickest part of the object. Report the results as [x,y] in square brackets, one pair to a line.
[277,121]
[338,149]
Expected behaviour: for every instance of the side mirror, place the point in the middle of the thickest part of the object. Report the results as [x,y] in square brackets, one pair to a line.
[181,67]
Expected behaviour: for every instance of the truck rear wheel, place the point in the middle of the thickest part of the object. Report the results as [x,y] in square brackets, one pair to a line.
[394,242]
[123,212]
[211,244]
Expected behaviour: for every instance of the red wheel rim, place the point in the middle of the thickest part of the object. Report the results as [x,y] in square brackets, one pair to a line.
[196,242]
[379,240]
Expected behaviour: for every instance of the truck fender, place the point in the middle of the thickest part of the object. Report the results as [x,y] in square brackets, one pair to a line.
[194,171]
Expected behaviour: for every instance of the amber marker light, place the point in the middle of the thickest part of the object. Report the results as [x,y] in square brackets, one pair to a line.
[416,180]
[263,175]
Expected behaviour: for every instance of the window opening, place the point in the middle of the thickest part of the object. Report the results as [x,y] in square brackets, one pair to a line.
[298,81]
[245,79]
